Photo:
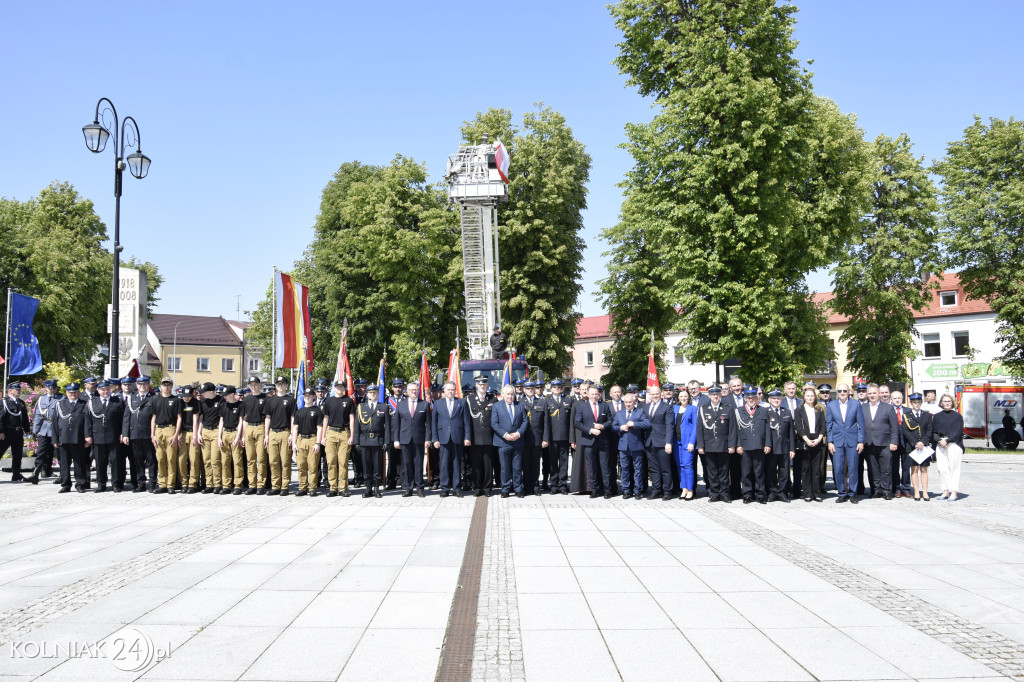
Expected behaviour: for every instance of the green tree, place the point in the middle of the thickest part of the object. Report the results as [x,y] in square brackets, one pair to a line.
[745,179]
[52,250]
[879,277]
[540,247]
[635,296]
[386,256]
[983,216]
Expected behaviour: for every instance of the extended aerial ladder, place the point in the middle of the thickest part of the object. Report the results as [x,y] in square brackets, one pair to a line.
[476,186]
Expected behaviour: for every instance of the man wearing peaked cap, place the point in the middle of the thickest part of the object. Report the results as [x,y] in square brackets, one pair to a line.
[136,432]
[106,414]
[253,436]
[42,430]
[14,425]
[73,434]
[372,423]
[278,437]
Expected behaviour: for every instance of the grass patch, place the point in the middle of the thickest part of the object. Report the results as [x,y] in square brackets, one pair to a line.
[990,451]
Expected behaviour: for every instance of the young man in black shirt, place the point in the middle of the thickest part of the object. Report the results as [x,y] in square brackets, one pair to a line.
[252,436]
[229,439]
[186,446]
[307,434]
[166,429]
[206,431]
[338,436]
[277,438]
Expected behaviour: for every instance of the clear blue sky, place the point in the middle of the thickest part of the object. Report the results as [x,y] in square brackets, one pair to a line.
[248,108]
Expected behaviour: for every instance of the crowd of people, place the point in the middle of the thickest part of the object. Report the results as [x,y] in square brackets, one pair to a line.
[531,438]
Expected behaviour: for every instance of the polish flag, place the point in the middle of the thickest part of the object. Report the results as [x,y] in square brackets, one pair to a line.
[501,159]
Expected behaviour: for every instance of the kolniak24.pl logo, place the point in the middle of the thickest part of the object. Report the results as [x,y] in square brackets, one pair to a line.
[127,649]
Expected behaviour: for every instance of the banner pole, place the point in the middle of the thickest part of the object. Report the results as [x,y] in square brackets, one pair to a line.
[7,341]
[273,317]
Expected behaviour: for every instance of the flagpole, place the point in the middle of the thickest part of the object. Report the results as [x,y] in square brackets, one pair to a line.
[273,315]
[7,340]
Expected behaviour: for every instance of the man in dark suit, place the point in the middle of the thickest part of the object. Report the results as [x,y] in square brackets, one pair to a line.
[537,435]
[734,401]
[451,433]
[106,413]
[412,429]
[659,444]
[845,423]
[881,436]
[481,451]
[508,421]
[74,434]
[631,423]
[559,408]
[752,445]
[783,444]
[593,419]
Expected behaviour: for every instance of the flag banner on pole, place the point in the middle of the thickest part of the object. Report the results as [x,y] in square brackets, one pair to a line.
[300,388]
[134,372]
[344,371]
[381,390]
[652,373]
[506,375]
[424,377]
[25,355]
[294,337]
[501,160]
[455,371]
[1,359]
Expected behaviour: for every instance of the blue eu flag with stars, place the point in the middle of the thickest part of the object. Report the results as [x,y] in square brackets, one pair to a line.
[25,355]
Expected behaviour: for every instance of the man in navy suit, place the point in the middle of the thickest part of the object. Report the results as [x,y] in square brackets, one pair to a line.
[508,421]
[659,444]
[451,433]
[845,423]
[881,434]
[631,423]
[593,420]
[412,428]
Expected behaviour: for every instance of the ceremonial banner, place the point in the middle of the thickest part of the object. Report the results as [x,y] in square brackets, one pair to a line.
[424,378]
[506,375]
[291,318]
[652,373]
[25,355]
[300,387]
[501,160]
[344,371]
[455,371]
[382,391]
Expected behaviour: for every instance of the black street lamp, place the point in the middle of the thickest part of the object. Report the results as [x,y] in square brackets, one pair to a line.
[96,134]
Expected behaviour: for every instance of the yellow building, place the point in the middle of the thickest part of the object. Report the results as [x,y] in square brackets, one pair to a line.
[197,348]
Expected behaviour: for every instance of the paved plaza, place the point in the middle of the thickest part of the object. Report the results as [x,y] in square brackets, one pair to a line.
[541,588]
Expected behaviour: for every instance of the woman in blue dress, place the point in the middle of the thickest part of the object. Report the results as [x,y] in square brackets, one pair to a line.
[685,438]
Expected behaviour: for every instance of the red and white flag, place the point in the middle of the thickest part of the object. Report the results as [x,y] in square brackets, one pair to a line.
[652,373]
[455,372]
[424,377]
[291,315]
[344,371]
[501,160]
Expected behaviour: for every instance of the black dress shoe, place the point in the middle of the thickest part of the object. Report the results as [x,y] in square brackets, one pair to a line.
[57,482]
[478,493]
[627,496]
[312,493]
[444,493]
[407,493]
[301,493]
[504,495]
[368,493]
[171,491]
[207,491]
[520,494]
[64,490]
[139,489]
[378,493]
[345,493]
[79,489]
[250,491]
[458,492]
[101,489]
[653,496]
[888,498]
[808,499]
[726,499]
[594,495]
[33,479]
[853,500]
[817,498]
[748,500]
[273,492]
[261,491]
[840,499]
[761,500]
[236,491]
[284,492]
[668,496]
[420,493]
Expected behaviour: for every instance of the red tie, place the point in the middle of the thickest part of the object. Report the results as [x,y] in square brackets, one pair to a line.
[594,405]
[899,417]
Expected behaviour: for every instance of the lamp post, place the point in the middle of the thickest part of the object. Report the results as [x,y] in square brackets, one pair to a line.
[96,134]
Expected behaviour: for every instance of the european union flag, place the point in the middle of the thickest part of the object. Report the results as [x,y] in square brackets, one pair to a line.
[25,355]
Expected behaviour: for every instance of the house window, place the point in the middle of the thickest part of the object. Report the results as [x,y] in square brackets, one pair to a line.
[254,364]
[590,358]
[227,365]
[961,344]
[932,347]
[173,364]
[677,355]
[604,358]
[947,298]
[202,364]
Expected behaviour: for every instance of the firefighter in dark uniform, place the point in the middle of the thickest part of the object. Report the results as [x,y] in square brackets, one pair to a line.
[136,432]
[481,459]
[373,424]
[394,473]
[782,439]
[434,454]
[560,413]
[14,425]
[73,433]
[106,413]
[752,445]
[716,440]
[358,479]
[537,435]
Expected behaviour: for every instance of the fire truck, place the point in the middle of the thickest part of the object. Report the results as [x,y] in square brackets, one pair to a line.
[986,410]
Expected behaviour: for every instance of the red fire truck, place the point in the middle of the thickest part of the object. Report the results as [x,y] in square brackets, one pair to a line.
[987,411]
